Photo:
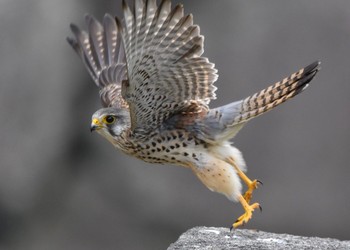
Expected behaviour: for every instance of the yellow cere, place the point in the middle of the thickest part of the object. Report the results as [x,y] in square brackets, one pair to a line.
[96,121]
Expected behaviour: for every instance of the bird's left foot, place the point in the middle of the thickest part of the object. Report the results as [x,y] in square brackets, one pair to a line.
[244,218]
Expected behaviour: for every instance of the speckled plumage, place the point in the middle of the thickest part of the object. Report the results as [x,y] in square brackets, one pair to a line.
[155,88]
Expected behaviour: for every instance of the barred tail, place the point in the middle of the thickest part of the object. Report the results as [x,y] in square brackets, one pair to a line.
[276,94]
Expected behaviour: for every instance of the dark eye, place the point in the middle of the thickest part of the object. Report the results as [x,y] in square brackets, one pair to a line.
[109,119]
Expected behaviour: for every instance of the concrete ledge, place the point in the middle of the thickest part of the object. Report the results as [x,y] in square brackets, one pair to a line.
[221,238]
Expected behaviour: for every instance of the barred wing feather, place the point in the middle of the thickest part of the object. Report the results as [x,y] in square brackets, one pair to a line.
[102,52]
[166,73]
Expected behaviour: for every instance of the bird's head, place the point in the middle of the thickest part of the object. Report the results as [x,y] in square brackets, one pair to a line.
[110,122]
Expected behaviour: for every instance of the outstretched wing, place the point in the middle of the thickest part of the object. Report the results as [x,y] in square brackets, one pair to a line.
[102,52]
[166,73]
[225,121]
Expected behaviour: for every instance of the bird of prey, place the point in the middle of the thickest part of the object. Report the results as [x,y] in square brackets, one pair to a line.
[155,89]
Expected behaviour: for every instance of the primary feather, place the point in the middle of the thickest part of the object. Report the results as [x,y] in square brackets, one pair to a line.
[166,72]
[102,52]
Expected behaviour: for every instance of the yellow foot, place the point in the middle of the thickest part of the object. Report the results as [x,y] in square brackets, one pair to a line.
[252,185]
[244,218]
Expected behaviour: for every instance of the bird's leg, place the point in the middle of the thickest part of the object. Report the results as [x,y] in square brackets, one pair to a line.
[252,184]
[244,218]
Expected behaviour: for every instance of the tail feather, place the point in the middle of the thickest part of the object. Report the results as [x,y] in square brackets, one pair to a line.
[276,94]
[224,122]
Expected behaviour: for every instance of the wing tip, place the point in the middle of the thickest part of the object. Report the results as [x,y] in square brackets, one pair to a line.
[126,9]
[124,5]
[75,29]
[108,17]
[72,42]
[118,22]
[88,17]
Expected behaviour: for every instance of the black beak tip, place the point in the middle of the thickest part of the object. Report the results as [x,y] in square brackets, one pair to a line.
[92,128]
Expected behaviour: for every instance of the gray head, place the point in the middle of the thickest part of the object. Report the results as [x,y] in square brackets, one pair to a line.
[110,122]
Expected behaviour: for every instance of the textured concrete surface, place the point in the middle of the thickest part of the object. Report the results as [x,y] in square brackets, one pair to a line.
[222,238]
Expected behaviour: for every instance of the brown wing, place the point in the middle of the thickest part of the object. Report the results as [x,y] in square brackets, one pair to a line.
[102,52]
[166,72]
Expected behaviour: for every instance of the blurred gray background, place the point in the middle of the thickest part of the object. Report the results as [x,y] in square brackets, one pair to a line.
[64,188]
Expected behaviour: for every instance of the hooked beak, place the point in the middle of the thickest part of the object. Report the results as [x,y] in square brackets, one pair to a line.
[95,125]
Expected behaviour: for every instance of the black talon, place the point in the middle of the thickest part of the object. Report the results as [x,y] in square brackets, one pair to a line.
[260,182]
[231,228]
[260,207]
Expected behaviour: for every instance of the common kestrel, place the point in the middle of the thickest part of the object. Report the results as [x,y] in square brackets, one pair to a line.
[155,89]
